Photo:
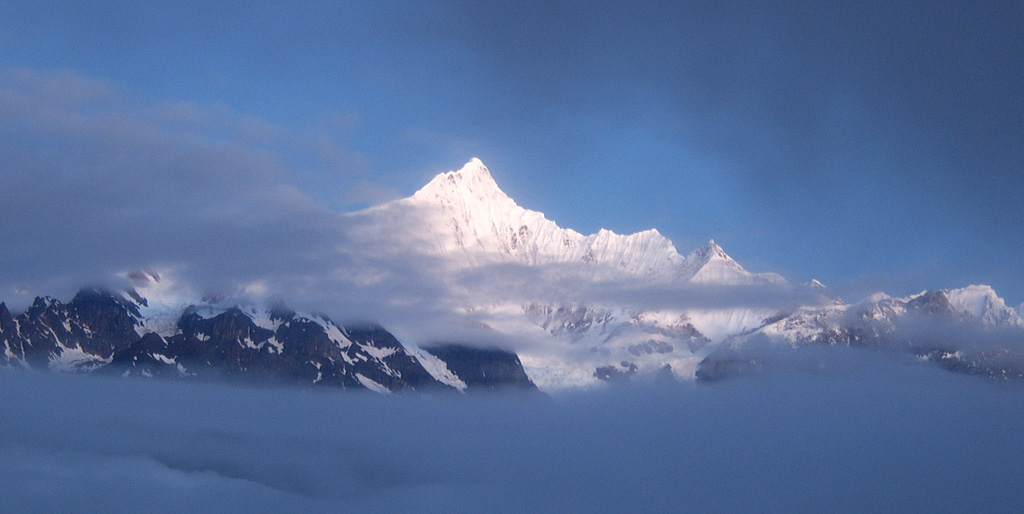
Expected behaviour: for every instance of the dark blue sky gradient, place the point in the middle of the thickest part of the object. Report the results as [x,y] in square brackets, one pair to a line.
[874,146]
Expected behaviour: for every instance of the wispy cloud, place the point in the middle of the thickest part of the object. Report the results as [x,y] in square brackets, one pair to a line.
[97,182]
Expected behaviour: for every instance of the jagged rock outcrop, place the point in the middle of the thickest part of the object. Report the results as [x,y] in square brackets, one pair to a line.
[483,368]
[105,332]
[84,333]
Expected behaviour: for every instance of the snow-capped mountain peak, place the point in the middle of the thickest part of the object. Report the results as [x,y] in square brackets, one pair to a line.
[465,217]
[710,264]
[707,254]
[980,302]
[472,181]
[711,250]
[467,214]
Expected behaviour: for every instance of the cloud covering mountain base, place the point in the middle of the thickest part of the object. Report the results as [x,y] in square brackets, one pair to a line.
[871,434]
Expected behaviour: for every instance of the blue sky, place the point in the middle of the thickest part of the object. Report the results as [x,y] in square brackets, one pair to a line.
[875,146]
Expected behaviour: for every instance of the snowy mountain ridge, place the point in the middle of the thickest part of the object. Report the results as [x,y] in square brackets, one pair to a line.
[980,302]
[463,219]
[583,304]
[461,222]
[106,332]
[473,222]
[461,268]
[977,305]
[967,330]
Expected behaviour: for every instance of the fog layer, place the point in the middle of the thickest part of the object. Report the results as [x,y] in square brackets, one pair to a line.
[871,435]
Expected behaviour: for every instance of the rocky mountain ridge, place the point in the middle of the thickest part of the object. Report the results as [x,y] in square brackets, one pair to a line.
[104,332]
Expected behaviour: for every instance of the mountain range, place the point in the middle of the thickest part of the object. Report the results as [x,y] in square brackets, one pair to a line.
[517,301]
[106,332]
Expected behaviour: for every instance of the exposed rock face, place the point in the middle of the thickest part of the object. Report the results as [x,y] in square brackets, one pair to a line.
[99,330]
[84,333]
[484,369]
[620,373]
[11,344]
[392,355]
[722,365]
[146,357]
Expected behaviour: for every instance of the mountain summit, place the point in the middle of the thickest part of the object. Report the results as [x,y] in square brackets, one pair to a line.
[464,216]
[472,180]
[596,307]
[711,265]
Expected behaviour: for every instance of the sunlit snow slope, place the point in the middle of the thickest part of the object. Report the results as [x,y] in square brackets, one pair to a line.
[585,309]
[577,304]
[465,215]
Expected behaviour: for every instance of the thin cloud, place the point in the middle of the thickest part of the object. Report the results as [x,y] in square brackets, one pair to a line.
[97,183]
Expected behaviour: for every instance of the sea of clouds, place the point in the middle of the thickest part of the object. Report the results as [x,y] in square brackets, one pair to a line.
[866,433]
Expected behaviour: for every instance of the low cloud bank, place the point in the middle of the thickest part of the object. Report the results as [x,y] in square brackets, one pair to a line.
[876,434]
